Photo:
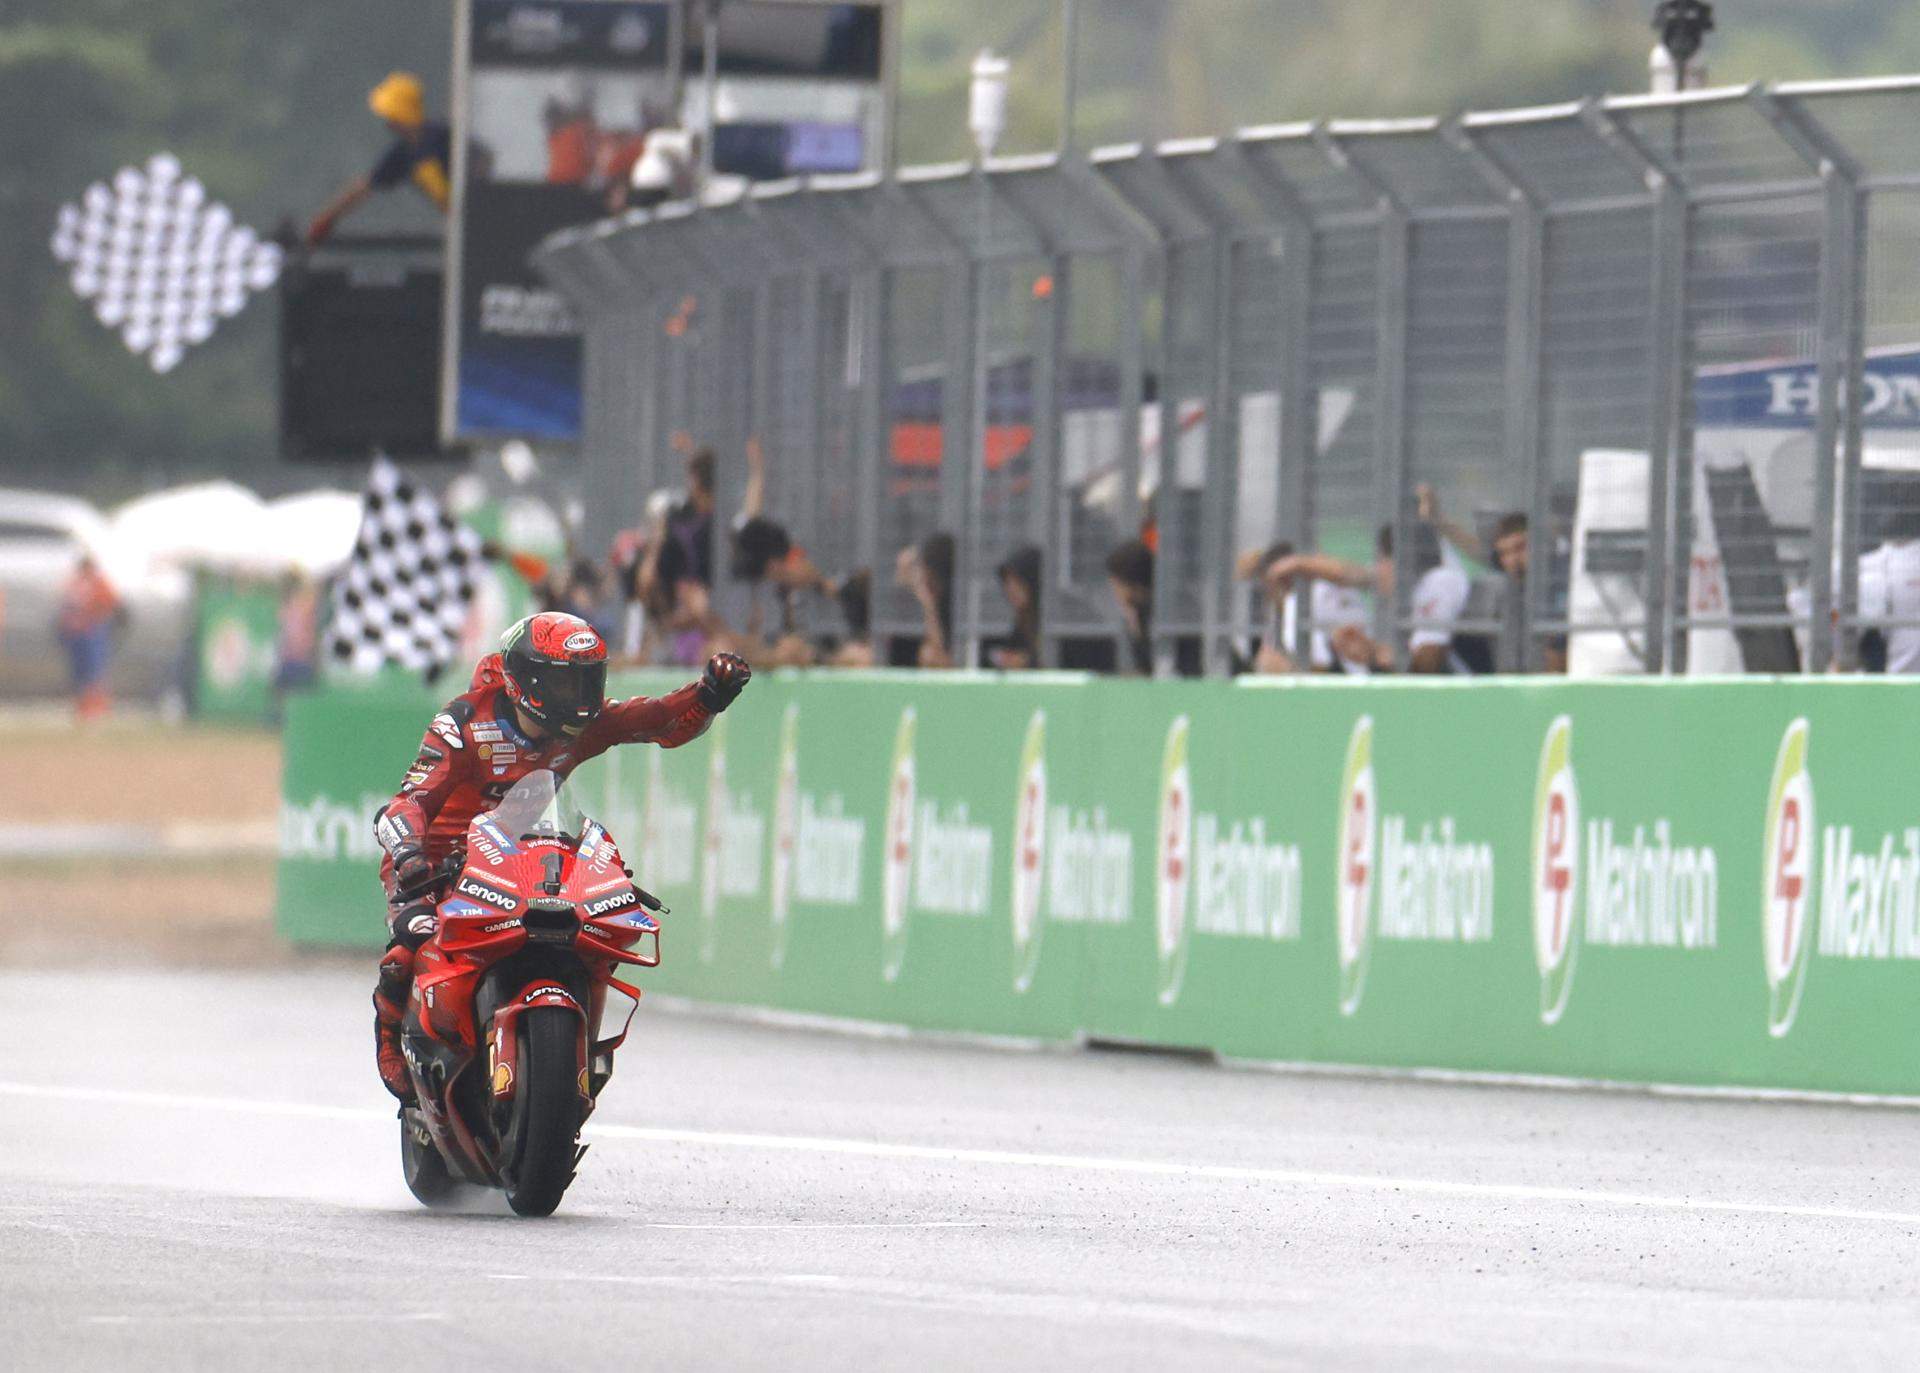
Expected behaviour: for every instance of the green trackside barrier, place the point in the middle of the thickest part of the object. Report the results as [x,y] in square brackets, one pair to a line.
[236,639]
[1712,883]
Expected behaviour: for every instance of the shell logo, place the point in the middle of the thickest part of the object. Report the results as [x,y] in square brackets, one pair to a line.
[786,818]
[1174,862]
[1355,865]
[897,866]
[1556,869]
[1787,880]
[1029,852]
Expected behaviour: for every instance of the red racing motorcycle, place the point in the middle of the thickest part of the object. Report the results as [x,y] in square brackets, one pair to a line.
[507,1030]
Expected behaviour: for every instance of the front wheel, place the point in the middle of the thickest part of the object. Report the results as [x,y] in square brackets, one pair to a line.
[546,1108]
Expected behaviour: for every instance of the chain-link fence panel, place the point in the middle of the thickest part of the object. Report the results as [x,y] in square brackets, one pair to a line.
[918,396]
[1753,309]
[1656,358]
[1343,367]
[1596,384]
[1456,417]
[1256,326]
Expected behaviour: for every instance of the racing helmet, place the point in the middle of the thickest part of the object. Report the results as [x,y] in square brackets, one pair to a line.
[555,666]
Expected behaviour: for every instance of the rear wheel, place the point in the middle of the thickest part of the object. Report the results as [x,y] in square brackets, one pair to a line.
[425,1171]
[546,1107]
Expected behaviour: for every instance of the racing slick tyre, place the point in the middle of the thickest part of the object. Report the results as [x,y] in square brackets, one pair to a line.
[425,1171]
[547,1107]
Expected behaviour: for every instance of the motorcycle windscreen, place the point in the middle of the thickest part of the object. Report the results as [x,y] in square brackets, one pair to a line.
[538,806]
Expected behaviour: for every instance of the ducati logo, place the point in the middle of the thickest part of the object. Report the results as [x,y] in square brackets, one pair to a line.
[1029,851]
[1556,869]
[1786,914]
[1174,863]
[1354,906]
[897,868]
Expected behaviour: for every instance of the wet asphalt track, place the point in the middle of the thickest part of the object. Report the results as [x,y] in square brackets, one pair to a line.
[197,1172]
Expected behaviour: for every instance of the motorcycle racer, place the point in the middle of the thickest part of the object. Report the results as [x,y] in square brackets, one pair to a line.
[539,703]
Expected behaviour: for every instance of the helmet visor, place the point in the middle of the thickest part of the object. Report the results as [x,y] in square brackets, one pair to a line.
[565,696]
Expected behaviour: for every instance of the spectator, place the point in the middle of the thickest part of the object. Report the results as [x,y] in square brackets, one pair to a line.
[1130,576]
[297,643]
[573,137]
[1020,583]
[926,570]
[854,596]
[690,525]
[584,590]
[1513,555]
[676,608]
[421,152]
[88,613]
[1440,592]
[1510,554]
[1890,590]
[1334,607]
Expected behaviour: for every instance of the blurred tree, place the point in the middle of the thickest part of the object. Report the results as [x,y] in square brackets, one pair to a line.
[265,102]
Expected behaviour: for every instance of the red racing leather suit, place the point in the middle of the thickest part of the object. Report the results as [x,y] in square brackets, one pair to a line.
[474,751]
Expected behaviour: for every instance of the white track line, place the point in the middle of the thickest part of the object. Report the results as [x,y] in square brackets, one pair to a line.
[1313,1179]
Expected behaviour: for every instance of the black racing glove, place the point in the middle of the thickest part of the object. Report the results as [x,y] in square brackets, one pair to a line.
[725,678]
[412,873]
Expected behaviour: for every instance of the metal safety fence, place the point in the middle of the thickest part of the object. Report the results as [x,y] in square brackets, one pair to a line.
[1677,338]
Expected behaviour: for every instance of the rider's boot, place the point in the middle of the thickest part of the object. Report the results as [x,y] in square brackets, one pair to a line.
[389,1006]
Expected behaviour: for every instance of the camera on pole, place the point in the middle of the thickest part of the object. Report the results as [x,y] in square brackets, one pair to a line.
[1683,26]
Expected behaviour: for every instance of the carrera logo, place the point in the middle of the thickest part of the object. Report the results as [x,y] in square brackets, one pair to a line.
[500,925]
[1556,869]
[606,904]
[1175,862]
[480,891]
[897,871]
[1787,880]
[1029,851]
[1355,870]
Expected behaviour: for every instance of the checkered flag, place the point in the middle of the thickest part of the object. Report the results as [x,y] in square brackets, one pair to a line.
[160,263]
[405,592]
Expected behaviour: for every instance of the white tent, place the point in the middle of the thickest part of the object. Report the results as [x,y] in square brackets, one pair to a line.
[224,527]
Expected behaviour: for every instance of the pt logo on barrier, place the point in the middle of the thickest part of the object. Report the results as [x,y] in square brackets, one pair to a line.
[897,871]
[713,840]
[1356,864]
[1556,870]
[1174,862]
[1787,880]
[1029,852]
[786,817]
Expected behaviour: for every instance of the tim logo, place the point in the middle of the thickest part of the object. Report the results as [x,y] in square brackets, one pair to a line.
[1358,826]
[1029,852]
[1556,869]
[1787,880]
[898,866]
[1174,885]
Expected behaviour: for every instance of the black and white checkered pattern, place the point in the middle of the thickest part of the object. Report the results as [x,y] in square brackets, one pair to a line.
[407,588]
[159,262]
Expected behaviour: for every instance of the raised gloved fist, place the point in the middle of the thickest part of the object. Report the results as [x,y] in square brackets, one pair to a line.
[412,873]
[726,677]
